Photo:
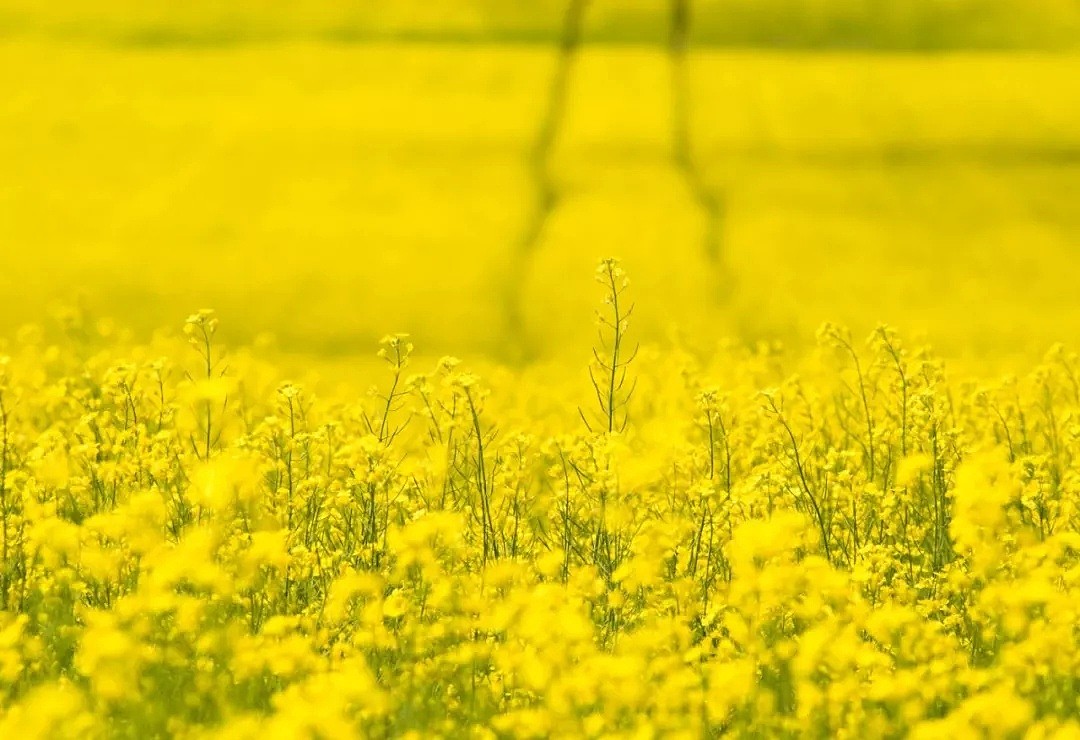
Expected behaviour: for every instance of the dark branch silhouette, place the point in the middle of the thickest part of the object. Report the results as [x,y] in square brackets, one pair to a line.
[546,194]
[707,201]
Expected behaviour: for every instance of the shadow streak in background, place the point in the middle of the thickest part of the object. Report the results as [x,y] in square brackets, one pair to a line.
[709,203]
[546,194]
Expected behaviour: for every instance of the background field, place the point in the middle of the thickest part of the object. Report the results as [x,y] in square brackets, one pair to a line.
[330,175]
[898,24]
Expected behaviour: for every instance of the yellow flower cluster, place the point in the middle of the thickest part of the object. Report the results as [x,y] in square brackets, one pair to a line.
[853,543]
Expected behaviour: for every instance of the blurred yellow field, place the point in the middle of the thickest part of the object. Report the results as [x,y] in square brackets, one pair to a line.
[140,174]
[161,180]
[899,24]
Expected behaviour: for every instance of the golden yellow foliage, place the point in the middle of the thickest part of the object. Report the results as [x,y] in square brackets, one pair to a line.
[849,542]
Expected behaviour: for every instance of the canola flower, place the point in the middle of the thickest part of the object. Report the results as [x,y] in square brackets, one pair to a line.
[193,546]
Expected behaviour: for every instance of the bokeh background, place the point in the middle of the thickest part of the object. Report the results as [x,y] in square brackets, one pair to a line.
[333,171]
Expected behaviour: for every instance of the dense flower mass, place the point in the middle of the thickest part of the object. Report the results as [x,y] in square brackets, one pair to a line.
[871,547]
